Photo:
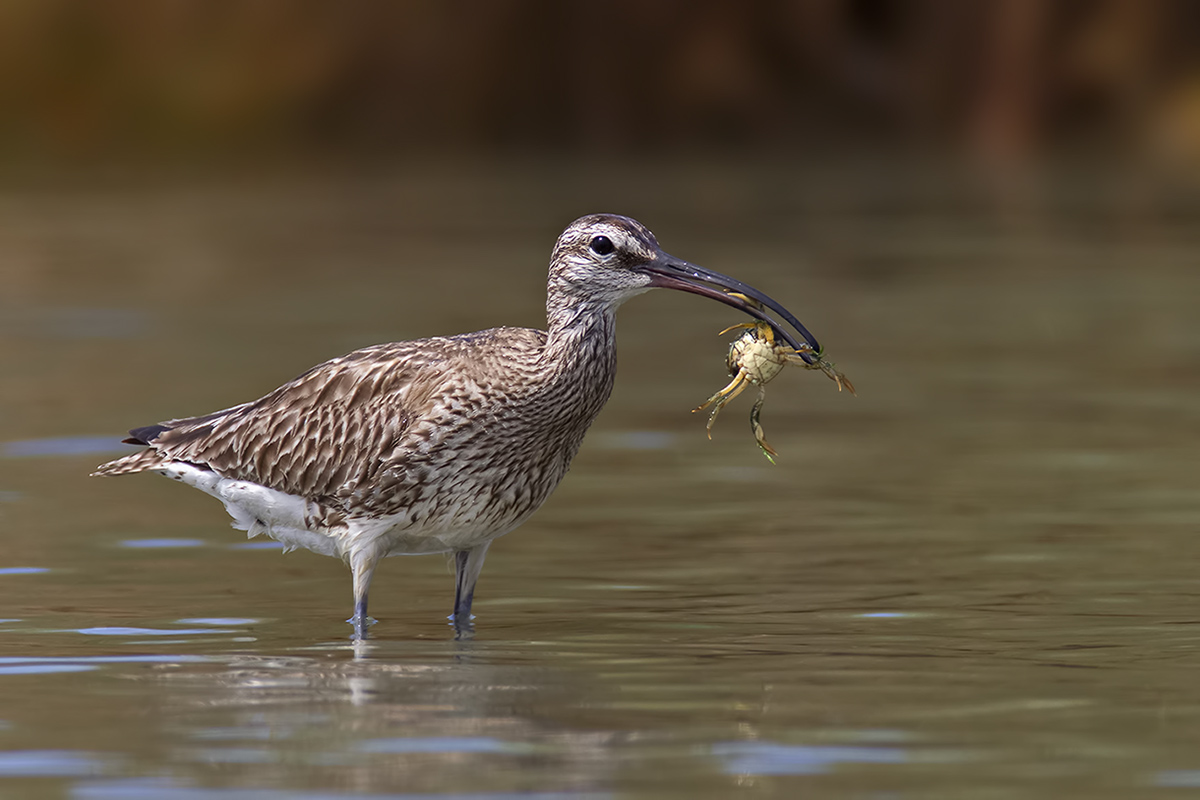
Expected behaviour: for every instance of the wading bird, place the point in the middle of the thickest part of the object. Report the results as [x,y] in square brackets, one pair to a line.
[437,445]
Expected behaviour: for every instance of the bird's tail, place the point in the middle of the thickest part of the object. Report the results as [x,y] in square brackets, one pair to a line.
[141,461]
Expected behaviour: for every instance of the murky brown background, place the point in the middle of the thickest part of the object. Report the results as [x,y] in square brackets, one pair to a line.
[977,578]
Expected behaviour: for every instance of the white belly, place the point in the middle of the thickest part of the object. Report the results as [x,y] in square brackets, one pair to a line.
[287,518]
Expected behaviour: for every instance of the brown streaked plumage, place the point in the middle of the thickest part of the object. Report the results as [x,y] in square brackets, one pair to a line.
[441,444]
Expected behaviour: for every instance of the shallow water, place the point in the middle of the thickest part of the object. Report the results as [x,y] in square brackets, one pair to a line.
[978,578]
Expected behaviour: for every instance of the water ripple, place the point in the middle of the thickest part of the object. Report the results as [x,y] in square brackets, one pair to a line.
[123,631]
[769,758]
[164,789]
[44,669]
[48,763]
[438,744]
[162,543]
[48,665]
[63,446]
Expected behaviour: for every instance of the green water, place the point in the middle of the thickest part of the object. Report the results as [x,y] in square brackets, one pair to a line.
[979,578]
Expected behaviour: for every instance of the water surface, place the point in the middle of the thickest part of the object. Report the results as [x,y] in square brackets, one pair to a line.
[978,578]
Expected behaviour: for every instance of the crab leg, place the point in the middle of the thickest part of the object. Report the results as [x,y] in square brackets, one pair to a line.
[746,325]
[757,427]
[722,398]
[828,368]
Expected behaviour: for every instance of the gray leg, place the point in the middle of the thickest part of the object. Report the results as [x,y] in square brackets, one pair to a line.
[360,620]
[467,565]
[363,568]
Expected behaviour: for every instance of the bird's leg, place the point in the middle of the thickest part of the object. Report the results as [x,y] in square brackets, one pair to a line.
[363,567]
[467,565]
[360,620]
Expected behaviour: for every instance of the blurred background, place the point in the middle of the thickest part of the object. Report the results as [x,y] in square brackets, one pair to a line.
[980,572]
[1009,79]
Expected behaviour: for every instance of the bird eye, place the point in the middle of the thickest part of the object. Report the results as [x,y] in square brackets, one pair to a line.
[601,245]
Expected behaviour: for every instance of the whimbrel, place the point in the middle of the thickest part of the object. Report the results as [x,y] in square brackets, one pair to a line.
[436,445]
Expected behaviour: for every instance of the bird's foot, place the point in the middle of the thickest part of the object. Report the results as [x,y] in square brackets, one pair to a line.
[463,624]
[360,623]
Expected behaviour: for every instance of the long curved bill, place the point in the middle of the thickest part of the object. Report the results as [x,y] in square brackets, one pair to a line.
[668,272]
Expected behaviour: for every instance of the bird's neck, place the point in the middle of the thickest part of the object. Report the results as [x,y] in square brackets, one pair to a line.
[581,350]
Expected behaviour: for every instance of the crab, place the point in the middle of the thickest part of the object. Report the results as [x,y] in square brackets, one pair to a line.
[756,358]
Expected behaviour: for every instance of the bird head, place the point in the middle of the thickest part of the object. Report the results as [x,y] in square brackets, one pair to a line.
[607,258]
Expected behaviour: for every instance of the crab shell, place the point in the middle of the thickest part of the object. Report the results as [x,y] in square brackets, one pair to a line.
[756,356]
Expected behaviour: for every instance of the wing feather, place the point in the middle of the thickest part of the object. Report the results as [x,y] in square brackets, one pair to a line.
[330,433]
[312,435]
[327,428]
